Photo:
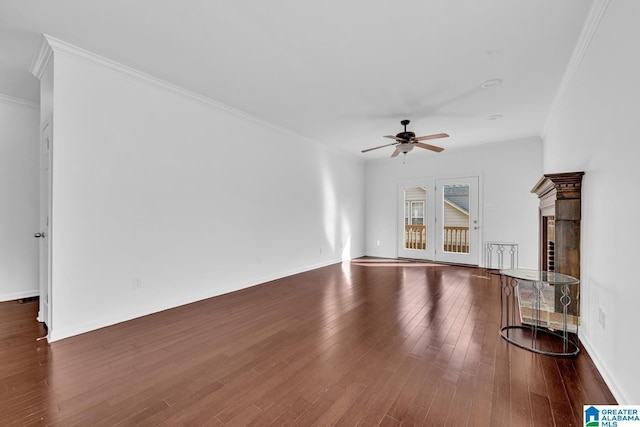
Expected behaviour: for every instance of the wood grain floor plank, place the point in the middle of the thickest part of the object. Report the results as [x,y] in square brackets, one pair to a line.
[558,395]
[429,387]
[482,398]
[292,413]
[462,400]
[331,415]
[383,400]
[501,414]
[414,416]
[441,406]
[521,411]
[387,421]
[541,415]
[408,393]
[369,396]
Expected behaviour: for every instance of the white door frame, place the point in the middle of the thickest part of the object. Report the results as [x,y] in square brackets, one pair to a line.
[46,145]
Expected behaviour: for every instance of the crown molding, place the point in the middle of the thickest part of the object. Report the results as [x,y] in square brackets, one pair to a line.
[42,58]
[51,46]
[18,101]
[598,8]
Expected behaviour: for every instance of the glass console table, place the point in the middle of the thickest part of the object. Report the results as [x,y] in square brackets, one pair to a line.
[537,311]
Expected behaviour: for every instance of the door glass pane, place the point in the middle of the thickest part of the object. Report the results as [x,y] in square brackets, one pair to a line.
[417,213]
[456,218]
[415,230]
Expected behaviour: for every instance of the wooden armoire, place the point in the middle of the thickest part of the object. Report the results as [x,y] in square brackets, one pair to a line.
[559,244]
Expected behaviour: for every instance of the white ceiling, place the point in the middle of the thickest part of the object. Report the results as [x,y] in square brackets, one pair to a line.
[340,72]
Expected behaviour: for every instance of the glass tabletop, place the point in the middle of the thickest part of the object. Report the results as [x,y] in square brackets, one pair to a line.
[540,276]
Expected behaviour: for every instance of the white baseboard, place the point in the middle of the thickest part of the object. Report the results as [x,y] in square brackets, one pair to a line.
[18,295]
[604,372]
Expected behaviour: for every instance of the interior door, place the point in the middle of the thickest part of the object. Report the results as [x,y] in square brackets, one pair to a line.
[44,314]
[457,223]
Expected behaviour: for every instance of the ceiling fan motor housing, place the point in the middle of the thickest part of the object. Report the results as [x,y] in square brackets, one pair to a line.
[407,136]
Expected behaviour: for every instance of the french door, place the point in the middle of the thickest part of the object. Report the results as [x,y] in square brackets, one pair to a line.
[438,220]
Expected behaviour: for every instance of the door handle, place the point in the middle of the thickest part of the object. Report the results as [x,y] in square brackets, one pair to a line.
[39,235]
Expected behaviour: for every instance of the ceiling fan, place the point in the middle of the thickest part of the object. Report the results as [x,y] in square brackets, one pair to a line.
[405,141]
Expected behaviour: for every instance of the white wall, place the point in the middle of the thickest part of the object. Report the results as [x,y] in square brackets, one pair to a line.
[161,199]
[596,130]
[19,202]
[508,172]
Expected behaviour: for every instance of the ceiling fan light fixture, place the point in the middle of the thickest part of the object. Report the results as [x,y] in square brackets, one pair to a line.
[404,147]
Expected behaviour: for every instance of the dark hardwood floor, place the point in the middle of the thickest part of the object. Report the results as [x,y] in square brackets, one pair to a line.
[373,342]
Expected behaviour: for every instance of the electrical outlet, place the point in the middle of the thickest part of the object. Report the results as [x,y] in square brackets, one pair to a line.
[602,318]
[137,283]
[378,243]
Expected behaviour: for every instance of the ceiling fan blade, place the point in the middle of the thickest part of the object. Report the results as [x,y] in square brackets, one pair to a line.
[381,146]
[395,153]
[429,147]
[390,136]
[436,136]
